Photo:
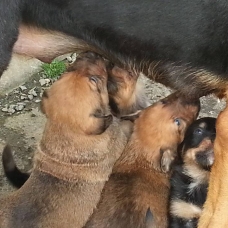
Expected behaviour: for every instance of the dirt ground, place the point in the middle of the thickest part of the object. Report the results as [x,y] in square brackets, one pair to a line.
[22,128]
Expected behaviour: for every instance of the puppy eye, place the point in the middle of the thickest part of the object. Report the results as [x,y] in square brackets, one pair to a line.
[93,79]
[198,131]
[177,121]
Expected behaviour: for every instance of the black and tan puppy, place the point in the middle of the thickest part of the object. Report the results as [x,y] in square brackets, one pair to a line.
[81,142]
[139,180]
[190,179]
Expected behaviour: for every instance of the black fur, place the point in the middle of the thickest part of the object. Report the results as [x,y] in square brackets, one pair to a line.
[172,42]
[180,180]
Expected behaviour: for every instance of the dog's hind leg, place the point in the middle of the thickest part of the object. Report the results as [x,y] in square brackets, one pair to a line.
[46,45]
[216,207]
[9,23]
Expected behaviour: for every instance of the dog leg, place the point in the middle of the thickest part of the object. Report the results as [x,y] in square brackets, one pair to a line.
[215,209]
[9,22]
[41,44]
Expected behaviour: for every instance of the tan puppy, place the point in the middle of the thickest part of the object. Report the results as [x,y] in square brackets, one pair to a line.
[215,209]
[80,144]
[139,180]
[126,96]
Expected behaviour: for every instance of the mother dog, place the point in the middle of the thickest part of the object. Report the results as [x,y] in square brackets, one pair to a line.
[182,44]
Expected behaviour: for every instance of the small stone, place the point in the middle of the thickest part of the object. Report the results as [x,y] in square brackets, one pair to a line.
[10,110]
[42,81]
[12,106]
[30,97]
[23,88]
[34,93]
[37,101]
[19,107]
[5,110]
[47,80]
[69,59]
[33,115]
[22,97]
[73,57]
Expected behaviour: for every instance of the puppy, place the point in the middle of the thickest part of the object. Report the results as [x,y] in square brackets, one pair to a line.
[126,96]
[139,180]
[80,144]
[189,181]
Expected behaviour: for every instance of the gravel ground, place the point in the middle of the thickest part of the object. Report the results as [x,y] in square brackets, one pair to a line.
[22,122]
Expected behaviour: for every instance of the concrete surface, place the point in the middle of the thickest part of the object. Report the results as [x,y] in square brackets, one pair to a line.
[19,71]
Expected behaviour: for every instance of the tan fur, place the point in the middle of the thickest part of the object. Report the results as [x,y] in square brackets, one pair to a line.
[137,181]
[192,168]
[75,156]
[215,209]
[185,210]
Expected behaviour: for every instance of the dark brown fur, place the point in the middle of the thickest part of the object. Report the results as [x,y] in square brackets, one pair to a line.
[80,144]
[139,179]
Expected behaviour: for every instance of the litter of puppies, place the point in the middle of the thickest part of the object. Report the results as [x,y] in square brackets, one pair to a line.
[112,159]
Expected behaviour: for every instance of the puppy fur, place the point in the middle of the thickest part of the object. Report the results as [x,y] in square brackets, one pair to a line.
[80,144]
[190,179]
[139,179]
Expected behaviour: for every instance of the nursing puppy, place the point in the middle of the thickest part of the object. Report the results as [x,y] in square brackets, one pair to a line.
[190,179]
[80,144]
[140,178]
[126,96]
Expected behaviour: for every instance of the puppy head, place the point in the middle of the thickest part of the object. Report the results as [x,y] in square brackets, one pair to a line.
[79,99]
[160,128]
[126,92]
[196,150]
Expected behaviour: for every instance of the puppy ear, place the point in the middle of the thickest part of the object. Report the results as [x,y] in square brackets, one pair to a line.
[149,219]
[167,159]
[132,117]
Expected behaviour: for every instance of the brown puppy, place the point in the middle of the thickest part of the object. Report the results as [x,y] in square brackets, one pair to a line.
[215,209]
[126,96]
[79,146]
[139,180]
